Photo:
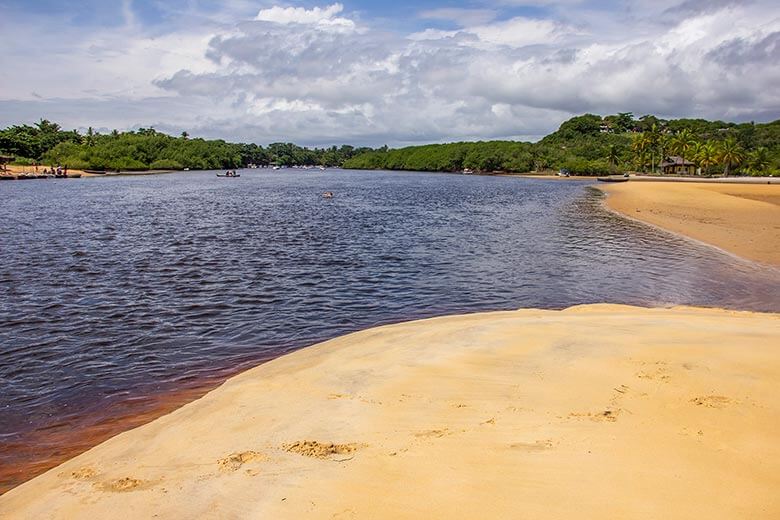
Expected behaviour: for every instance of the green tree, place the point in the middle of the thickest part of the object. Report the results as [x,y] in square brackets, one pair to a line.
[759,161]
[730,155]
[706,156]
[682,142]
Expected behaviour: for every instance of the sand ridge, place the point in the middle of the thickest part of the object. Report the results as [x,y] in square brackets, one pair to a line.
[597,411]
[743,219]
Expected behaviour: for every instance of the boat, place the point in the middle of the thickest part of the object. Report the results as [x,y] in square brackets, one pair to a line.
[231,176]
[96,172]
[612,178]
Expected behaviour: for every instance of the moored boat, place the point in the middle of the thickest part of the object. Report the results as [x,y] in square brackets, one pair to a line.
[614,178]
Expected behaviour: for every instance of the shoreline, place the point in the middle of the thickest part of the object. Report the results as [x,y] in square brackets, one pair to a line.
[740,219]
[556,413]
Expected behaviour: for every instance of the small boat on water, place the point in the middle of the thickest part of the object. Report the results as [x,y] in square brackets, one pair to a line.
[96,172]
[614,178]
[226,175]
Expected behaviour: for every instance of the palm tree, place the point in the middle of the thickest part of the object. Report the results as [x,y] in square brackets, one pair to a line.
[682,142]
[613,156]
[694,151]
[759,160]
[707,156]
[730,154]
[640,145]
[654,139]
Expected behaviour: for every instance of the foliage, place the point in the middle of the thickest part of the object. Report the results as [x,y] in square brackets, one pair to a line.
[587,145]
[146,148]
[478,156]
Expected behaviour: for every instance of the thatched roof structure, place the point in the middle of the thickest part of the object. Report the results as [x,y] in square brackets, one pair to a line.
[675,160]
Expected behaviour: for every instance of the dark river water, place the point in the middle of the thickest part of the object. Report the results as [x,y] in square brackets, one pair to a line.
[116,291]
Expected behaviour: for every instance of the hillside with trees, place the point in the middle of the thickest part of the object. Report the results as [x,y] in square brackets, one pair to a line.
[144,149]
[595,145]
[586,145]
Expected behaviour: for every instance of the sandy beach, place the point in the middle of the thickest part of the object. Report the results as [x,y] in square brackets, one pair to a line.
[597,411]
[743,219]
[15,170]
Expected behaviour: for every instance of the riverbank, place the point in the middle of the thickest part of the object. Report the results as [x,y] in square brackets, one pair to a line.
[743,219]
[593,412]
[12,170]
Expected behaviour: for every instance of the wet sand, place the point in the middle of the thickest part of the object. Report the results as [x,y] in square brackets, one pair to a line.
[743,219]
[597,411]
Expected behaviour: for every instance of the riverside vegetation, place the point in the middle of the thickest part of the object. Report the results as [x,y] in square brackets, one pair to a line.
[586,145]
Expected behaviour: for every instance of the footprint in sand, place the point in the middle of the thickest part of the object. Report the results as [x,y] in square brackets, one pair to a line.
[605,416]
[712,401]
[433,433]
[234,461]
[540,445]
[122,485]
[85,473]
[321,450]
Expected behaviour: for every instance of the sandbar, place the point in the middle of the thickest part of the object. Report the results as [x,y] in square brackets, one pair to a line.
[595,412]
[743,219]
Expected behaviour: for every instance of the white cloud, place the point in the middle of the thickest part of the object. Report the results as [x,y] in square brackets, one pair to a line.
[322,17]
[322,75]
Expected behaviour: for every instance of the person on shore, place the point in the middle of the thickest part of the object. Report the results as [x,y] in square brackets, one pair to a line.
[65,170]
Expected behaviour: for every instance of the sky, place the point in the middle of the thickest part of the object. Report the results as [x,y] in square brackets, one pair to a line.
[383,72]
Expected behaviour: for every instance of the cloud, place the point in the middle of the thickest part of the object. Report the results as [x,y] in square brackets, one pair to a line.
[322,17]
[322,75]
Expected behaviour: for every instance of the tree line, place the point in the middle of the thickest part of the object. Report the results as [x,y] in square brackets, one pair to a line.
[594,145]
[143,149]
[587,145]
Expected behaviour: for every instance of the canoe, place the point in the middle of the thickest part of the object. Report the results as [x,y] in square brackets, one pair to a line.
[613,179]
[231,176]
[96,172]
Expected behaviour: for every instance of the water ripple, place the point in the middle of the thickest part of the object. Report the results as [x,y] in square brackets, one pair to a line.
[123,288]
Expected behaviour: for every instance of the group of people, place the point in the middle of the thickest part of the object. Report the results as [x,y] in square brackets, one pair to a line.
[60,171]
[231,173]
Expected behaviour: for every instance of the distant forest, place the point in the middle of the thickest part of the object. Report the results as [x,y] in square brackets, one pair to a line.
[586,145]
[144,149]
[594,145]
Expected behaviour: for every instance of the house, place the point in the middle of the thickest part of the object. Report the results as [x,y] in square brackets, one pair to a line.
[675,165]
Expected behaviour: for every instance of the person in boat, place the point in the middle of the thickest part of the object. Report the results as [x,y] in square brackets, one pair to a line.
[328,194]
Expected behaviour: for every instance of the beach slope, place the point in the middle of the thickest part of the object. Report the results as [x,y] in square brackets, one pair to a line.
[594,412]
[743,219]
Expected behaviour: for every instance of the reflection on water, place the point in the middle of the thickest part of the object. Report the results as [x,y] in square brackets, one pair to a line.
[115,291]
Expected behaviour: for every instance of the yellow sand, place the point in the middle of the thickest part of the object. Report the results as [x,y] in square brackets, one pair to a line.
[743,219]
[11,169]
[596,412]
